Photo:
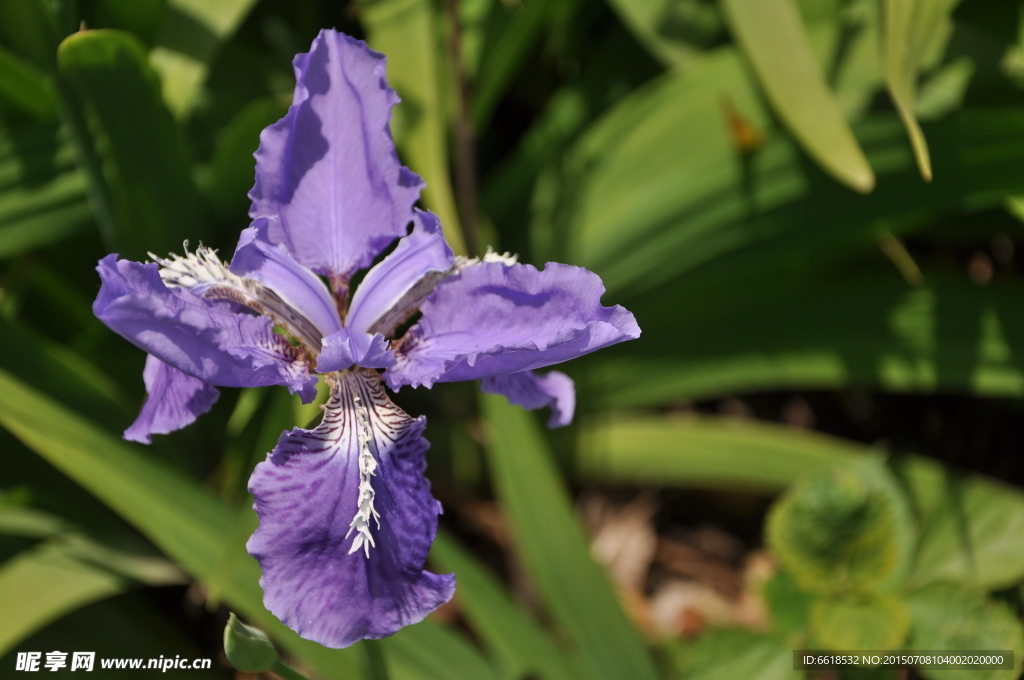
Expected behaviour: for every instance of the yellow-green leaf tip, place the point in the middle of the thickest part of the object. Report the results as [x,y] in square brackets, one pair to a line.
[249,650]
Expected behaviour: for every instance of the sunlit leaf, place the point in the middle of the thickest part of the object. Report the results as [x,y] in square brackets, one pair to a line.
[948,617]
[860,624]
[774,39]
[914,29]
[970,527]
[407,31]
[690,450]
[553,549]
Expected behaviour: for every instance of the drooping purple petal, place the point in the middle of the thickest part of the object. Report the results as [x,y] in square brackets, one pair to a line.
[175,400]
[328,170]
[493,318]
[533,391]
[307,497]
[346,347]
[218,342]
[395,287]
[273,266]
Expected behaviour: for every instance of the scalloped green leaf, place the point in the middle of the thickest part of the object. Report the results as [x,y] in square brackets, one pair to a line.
[846,531]
[859,624]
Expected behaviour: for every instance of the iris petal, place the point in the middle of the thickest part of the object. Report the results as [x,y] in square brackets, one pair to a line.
[328,171]
[175,400]
[493,318]
[307,495]
[218,342]
[394,288]
[533,391]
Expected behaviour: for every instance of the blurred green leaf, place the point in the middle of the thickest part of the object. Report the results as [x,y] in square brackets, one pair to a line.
[672,30]
[944,91]
[857,624]
[867,329]
[789,606]
[154,199]
[518,644]
[774,39]
[187,41]
[42,584]
[553,549]
[232,165]
[690,450]
[845,531]
[25,86]
[970,527]
[192,527]
[407,31]
[948,617]
[731,654]
[29,27]
[914,30]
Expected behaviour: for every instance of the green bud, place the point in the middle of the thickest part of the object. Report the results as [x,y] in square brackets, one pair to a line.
[249,650]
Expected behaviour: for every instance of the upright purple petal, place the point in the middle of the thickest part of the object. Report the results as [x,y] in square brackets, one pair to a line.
[273,266]
[320,576]
[533,391]
[175,400]
[218,342]
[328,170]
[393,289]
[493,318]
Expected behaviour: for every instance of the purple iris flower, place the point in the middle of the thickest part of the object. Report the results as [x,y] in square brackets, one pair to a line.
[346,514]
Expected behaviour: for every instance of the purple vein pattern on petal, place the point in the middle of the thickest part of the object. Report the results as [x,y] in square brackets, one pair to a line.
[533,391]
[175,400]
[493,319]
[402,279]
[328,170]
[306,496]
[273,266]
[217,342]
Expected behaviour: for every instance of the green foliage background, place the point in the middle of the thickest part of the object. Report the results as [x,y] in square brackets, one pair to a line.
[787,194]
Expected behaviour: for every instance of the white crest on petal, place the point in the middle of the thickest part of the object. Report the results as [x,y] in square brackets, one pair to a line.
[367,467]
[203,273]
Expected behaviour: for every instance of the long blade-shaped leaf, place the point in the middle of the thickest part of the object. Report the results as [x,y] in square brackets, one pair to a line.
[520,646]
[706,452]
[774,39]
[156,206]
[913,28]
[408,33]
[554,550]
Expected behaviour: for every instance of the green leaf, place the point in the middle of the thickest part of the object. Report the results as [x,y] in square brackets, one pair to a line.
[155,201]
[554,550]
[970,527]
[407,31]
[703,451]
[789,606]
[29,27]
[25,86]
[857,624]
[44,583]
[518,644]
[948,617]
[248,649]
[774,39]
[868,329]
[845,531]
[671,30]
[193,528]
[730,654]
[186,43]
[914,31]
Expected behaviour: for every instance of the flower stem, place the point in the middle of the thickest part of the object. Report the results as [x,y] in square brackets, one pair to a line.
[286,672]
